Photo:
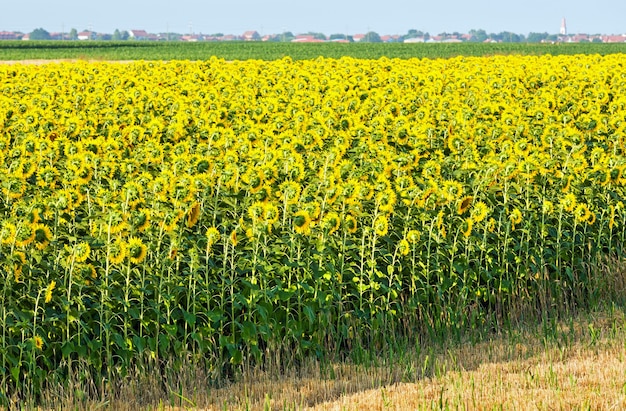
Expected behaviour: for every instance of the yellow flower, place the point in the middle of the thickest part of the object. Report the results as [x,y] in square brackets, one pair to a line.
[302,222]
[233,238]
[464,204]
[255,211]
[141,219]
[7,232]
[193,215]
[117,251]
[43,236]
[582,213]
[350,224]
[515,217]
[81,252]
[404,247]
[25,235]
[290,192]
[49,289]
[386,200]
[270,213]
[381,225]
[137,250]
[212,236]
[547,207]
[480,210]
[330,222]
[568,202]
[413,236]
[38,342]
[467,227]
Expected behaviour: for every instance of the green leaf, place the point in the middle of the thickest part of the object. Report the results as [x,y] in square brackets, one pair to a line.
[15,373]
[190,318]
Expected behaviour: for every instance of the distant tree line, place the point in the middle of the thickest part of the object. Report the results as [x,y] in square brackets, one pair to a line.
[473,35]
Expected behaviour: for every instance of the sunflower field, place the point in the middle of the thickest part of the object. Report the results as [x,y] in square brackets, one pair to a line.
[226,211]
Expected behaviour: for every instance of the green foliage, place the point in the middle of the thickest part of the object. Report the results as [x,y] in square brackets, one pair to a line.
[133,50]
[39,34]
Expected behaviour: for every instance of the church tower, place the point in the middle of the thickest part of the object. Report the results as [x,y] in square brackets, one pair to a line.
[563,27]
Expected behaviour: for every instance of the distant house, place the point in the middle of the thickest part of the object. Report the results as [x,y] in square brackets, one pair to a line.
[191,38]
[229,37]
[390,38]
[138,35]
[415,40]
[614,39]
[306,38]
[10,35]
[86,35]
[251,36]
[358,37]
[577,38]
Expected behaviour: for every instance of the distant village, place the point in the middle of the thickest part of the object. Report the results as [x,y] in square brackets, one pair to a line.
[412,36]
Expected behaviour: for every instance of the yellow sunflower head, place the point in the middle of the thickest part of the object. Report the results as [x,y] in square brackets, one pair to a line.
[302,222]
[137,250]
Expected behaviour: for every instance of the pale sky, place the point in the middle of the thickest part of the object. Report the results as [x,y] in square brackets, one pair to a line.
[325,16]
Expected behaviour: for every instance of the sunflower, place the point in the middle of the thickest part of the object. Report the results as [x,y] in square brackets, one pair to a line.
[464,204]
[233,237]
[403,247]
[468,224]
[479,212]
[516,217]
[582,213]
[547,207]
[49,289]
[81,252]
[413,236]
[19,259]
[137,250]
[47,176]
[117,251]
[141,219]
[568,202]
[330,222]
[350,224]
[43,235]
[193,215]
[386,200]
[270,213]
[25,235]
[212,237]
[290,192]
[8,231]
[302,222]
[381,225]
[117,222]
[38,342]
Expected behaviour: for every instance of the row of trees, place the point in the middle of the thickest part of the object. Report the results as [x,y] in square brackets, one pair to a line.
[371,37]
[41,34]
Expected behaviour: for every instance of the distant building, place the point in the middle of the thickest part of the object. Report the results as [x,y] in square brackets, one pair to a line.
[138,35]
[251,35]
[614,39]
[306,38]
[86,35]
[563,30]
[10,35]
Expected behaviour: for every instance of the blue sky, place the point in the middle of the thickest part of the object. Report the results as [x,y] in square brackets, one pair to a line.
[326,16]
